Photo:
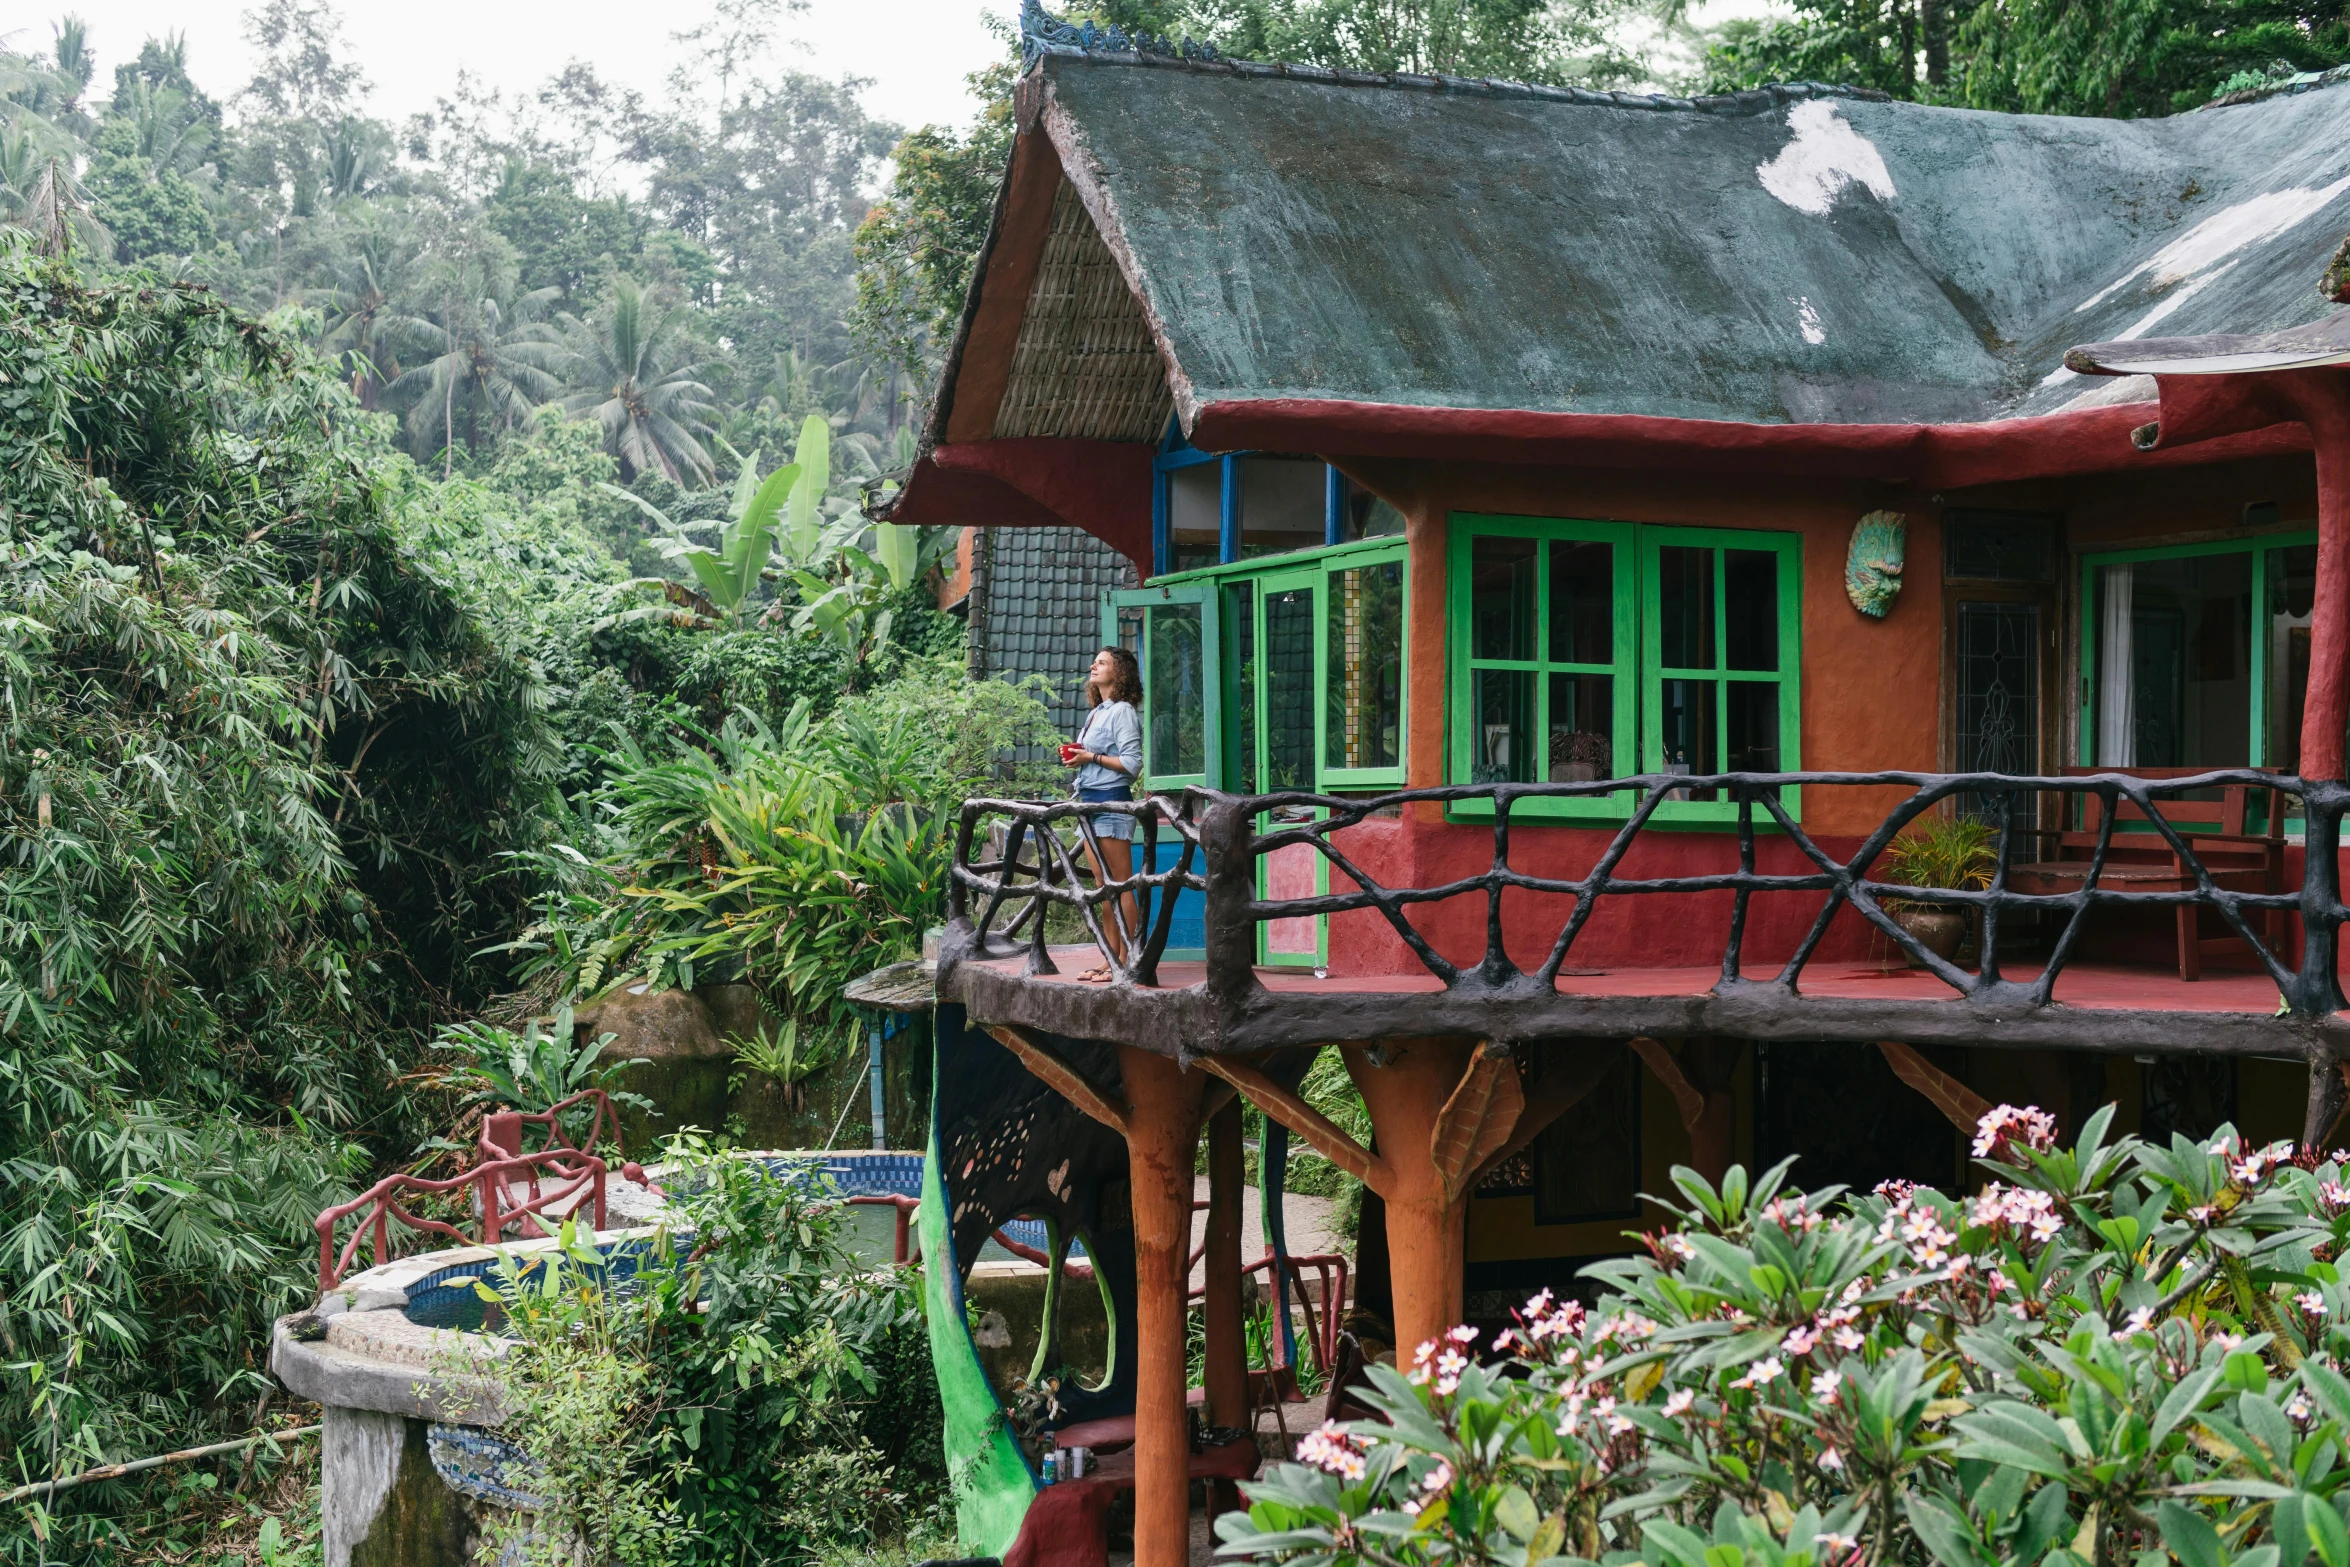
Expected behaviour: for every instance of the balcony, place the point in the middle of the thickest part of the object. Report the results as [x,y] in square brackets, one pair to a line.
[1775,934]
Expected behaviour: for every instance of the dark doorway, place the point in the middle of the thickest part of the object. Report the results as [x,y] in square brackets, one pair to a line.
[1848,1120]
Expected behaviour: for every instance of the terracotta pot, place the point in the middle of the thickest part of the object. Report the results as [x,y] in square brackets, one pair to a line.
[1939,931]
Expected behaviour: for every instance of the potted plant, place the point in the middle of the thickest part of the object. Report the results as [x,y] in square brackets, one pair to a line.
[1945,853]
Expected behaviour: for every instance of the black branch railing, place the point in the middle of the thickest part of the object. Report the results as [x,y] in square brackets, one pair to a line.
[1035,856]
[1029,861]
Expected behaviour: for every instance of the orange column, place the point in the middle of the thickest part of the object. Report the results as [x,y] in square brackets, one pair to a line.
[2323,399]
[1162,1130]
[1424,1232]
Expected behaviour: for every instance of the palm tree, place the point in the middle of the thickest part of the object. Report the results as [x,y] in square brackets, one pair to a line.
[52,203]
[494,354]
[363,325]
[653,413]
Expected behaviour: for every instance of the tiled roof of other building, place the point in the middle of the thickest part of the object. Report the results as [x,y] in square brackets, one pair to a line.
[1036,608]
[1792,255]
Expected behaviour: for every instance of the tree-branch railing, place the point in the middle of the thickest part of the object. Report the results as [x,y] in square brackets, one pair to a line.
[1038,868]
[1139,907]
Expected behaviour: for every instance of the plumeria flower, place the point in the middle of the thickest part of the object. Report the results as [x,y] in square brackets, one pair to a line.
[2202,1213]
[1449,1367]
[1831,1460]
[1437,1478]
[2006,1128]
[1799,1341]
[2138,1321]
[1678,1404]
[1831,1544]
[1761,1374]
[1679,1246]
[2298,1408]
[2334,1195]
[2229,1343]
[1462,1334]
[1848,1340]
[2312,1302]
[1825,1384]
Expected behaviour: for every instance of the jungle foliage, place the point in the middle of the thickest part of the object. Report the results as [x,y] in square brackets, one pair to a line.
[751,1395]
[2119,58]
[259,759]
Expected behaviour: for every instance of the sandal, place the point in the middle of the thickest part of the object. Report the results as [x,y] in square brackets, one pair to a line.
[1097,975]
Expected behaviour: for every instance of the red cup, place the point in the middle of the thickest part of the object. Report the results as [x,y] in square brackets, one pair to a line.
[1070,753]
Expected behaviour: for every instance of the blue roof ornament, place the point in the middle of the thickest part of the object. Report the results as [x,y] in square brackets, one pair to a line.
[1042,32]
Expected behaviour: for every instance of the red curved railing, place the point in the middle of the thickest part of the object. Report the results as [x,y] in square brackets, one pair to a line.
[511,1189]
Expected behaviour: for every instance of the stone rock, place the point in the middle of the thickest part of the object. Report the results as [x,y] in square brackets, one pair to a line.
[671,1025]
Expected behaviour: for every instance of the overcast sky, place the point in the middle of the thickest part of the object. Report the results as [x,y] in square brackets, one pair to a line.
[916,51]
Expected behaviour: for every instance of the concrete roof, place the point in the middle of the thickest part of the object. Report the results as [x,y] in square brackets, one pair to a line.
[1784,256]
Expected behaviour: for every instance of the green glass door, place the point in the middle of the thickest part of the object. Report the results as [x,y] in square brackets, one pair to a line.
[1175,635]
[1287,731]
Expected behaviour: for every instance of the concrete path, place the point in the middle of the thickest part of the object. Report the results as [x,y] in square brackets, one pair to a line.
[1309,1225]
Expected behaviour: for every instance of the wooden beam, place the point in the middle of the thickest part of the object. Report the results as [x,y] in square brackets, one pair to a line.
[1558,1090]
[1064,1079]
[1322,1134]
[1668,1072]
[1477,1119]
[1961,1105]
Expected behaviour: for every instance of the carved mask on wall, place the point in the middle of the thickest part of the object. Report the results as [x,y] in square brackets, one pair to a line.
[1872,570]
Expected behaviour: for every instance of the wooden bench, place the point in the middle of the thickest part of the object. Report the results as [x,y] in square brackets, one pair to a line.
[2139,860]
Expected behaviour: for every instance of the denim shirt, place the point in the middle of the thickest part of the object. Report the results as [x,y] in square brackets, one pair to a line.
[1112,729]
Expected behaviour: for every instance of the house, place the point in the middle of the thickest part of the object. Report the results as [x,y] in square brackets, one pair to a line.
[1504,455]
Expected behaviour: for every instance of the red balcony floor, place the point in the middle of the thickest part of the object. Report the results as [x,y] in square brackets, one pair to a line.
[2092,986]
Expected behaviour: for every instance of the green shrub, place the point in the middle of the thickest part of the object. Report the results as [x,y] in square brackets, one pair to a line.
[2119,1351]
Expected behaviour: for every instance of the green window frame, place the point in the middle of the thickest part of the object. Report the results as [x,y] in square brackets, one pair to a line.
[1236,713]
[1633,677]
[1173,619]
[2260,549]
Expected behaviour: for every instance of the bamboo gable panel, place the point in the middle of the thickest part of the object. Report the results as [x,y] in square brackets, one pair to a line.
[1085,366]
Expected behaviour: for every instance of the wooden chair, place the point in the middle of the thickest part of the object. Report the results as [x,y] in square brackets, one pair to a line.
[2138,860]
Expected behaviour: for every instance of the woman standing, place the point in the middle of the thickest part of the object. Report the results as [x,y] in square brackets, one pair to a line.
[1107,754]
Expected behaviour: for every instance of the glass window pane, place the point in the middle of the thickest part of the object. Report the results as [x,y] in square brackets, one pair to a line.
[1501,598]
[1750,609]
[1753,720]
[2174,676]
[1362,719]
[2292,586]
[1283,503]
[1176,693]
[1240,687]
[1369,517]
[1998,694]
[1687,723]
[1685,606]
[1582,602]
[1501,742]
[1582,728]
[1195,515]
[1289,689]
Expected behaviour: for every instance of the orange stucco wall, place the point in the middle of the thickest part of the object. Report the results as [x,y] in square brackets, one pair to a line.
[1872,689]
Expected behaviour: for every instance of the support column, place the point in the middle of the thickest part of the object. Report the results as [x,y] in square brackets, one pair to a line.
[1425,1233]
[1162,1131]
[2324,404]
[1702,1081]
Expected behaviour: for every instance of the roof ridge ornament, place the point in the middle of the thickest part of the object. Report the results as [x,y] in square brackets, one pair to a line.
[1041,31]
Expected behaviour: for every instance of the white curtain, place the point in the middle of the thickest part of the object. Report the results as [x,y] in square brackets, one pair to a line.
[2117,706]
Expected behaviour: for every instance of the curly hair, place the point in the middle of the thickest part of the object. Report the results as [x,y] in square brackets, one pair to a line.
[1126,683]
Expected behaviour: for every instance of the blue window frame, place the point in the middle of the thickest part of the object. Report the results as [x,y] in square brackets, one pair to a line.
[1214,509]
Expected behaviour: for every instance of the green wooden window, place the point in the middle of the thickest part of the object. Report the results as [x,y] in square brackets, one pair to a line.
[1592,650]
[2197,655]
[1305,686]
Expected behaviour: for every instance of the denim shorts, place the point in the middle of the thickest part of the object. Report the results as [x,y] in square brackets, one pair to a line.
[1107,825]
